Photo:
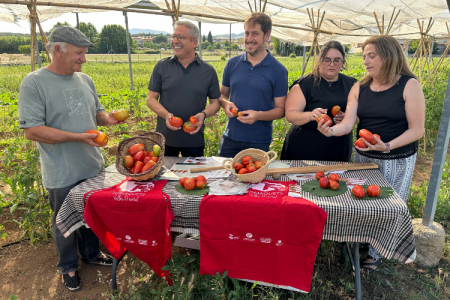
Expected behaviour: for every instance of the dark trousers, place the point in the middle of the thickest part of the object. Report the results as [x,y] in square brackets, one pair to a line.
[185,151]
[83,238]
[229,147]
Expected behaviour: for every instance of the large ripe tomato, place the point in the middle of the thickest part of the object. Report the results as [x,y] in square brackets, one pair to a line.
[360,144]
[243,171]
[324,182]
[366,134]
[138,167]
[189,184]
[128,161]
[132,170]
[325,117]
[334,177]
[182,181]
[146,159]
[193,120]
[101,139]
[238,166]
[176,122]
[201,182]
[139,156]
[121,115]
[334,185]
[251,168]
[374,142]
[259,164]
[234,111]
[373,190]
[247,160]
[335,110]
[319,175]
[135,149]
[187,127]
[241,114]
[358,191]
[148,166]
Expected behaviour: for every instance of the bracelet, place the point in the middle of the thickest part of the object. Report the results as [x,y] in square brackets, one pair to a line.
[204,114]
[332,132]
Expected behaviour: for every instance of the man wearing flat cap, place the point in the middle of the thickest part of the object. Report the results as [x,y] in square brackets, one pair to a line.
[57,104]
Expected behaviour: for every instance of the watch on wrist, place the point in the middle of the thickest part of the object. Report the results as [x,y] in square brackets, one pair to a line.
[204,114]
[388,148]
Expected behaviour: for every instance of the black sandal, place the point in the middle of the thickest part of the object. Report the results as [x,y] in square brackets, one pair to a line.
[367,266]
[73,284]
[102,261]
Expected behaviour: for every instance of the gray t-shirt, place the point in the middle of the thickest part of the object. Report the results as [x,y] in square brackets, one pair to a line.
[68,103]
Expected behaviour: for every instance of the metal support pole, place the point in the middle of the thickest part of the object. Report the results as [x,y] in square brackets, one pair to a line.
[438,162]
[200,40]
[230,40]
[357,272]
[78,21]
[129,51]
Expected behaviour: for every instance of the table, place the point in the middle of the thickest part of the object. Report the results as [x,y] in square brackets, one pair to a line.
[384,223]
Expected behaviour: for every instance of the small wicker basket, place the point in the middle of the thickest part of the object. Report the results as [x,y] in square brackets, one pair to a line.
[256,154]
[149,140]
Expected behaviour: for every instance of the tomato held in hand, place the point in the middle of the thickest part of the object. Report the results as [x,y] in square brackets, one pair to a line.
[358,191]
[247,160]
[334,177]
[189,184]
[374,142]
[139,156]
[373,190]
[334,185]
[187,127]
[243,171]
[319,175]
[323,182]
[176,122]
[360,144]
[135,149]
[121,115]
[238,166]
[234,111]
[101,139]
[182,181]
[366,134]
[325,118]
[241,114]
[138,167]
[335,110]
[193,120]
[148,166]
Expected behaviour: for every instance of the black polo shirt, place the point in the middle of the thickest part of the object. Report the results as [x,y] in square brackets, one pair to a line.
[183,93]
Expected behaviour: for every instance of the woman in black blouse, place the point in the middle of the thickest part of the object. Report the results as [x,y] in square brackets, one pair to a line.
[388,101]
[314,94]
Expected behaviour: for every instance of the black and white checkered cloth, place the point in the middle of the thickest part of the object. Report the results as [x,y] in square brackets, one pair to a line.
[384,223]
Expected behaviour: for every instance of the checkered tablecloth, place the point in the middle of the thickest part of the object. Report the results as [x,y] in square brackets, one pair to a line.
[384,223]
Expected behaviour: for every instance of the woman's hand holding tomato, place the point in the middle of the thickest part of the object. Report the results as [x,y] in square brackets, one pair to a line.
[316,112]
[378,146]
[339,117]
[324,127]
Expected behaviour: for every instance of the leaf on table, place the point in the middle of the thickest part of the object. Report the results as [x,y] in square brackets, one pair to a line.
[314,188]
[194,192]
[385,192]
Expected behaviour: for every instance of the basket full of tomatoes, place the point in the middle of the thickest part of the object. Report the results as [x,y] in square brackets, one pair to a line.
[141,157]
[250,165]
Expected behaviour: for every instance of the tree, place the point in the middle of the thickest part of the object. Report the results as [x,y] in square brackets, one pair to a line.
[276,45]
[91,33]
[414,44]
[25,49]
[205,45]
[57,25]
[217,46]
[210,48]
[210,39]
[159,39]
[162,45]
[148,45]
[226,43]
[115,36]
[11,44]
[204,38]
[234,47]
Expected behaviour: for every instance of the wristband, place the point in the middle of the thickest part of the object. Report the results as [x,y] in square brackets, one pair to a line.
[332,132]
[388,148]
[204,114]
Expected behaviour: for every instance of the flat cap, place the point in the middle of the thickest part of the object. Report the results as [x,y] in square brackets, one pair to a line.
[67,34]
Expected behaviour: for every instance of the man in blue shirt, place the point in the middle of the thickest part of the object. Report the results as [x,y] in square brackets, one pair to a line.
[256,84]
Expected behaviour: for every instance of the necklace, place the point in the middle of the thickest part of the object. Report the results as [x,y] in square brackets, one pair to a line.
[381,87]
[330,82]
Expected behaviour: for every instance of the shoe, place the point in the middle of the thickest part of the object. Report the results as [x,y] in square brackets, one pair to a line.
[102,261]
[366,266]
[72,283]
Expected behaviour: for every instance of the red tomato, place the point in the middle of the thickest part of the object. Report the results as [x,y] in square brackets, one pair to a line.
[201,182]
[243,171]
[250,165]
[128,161]
[155,159]
[240,114]
[182,181]
[135,149]
[193,120]
[189,184]
[334,185]
[323,182]
[358,191]
[247,160]
[259,164]
[374,142]
[121,115]
[319,175]
[132,170]
[335,110]
[334,177]
[187,127]
[234,111]
[238,166]
[148,166]
[101,139]
[200,177]
[146,153]
[373,191]
[360,144]
[325,117]
[146,159]
[151,154]
[251,168]
[139,156]
[138,167]
[366,134]
[176,122]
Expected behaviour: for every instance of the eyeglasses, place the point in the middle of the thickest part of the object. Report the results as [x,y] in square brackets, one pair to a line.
[337,61]
[181,37]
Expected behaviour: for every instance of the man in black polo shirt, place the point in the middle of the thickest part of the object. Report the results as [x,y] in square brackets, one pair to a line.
[182,83]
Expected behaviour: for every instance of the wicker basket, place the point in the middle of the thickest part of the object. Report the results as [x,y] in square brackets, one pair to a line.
[256,154]
[149,140]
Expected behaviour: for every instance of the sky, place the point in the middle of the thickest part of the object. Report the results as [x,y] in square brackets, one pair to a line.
[135,20]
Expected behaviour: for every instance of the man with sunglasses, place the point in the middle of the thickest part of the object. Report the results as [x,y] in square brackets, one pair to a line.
[182,83]
[256,84]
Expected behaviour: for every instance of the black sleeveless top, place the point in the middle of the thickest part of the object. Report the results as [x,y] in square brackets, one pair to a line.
[384,113]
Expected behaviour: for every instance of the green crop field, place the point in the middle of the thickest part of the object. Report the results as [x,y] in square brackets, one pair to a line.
[331,280]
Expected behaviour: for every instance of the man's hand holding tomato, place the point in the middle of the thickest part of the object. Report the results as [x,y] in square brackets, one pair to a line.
[200,119]
[379,146]
[168,117]
[87,138]
[250,117]
[227,108]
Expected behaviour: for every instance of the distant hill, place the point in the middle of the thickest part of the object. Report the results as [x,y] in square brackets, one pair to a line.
[138,30]
[227,35]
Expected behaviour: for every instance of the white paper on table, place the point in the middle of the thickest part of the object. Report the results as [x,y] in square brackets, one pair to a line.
[351,182]
[278,164]
[227,187]
[304,176]
[219,174]
[205,161]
